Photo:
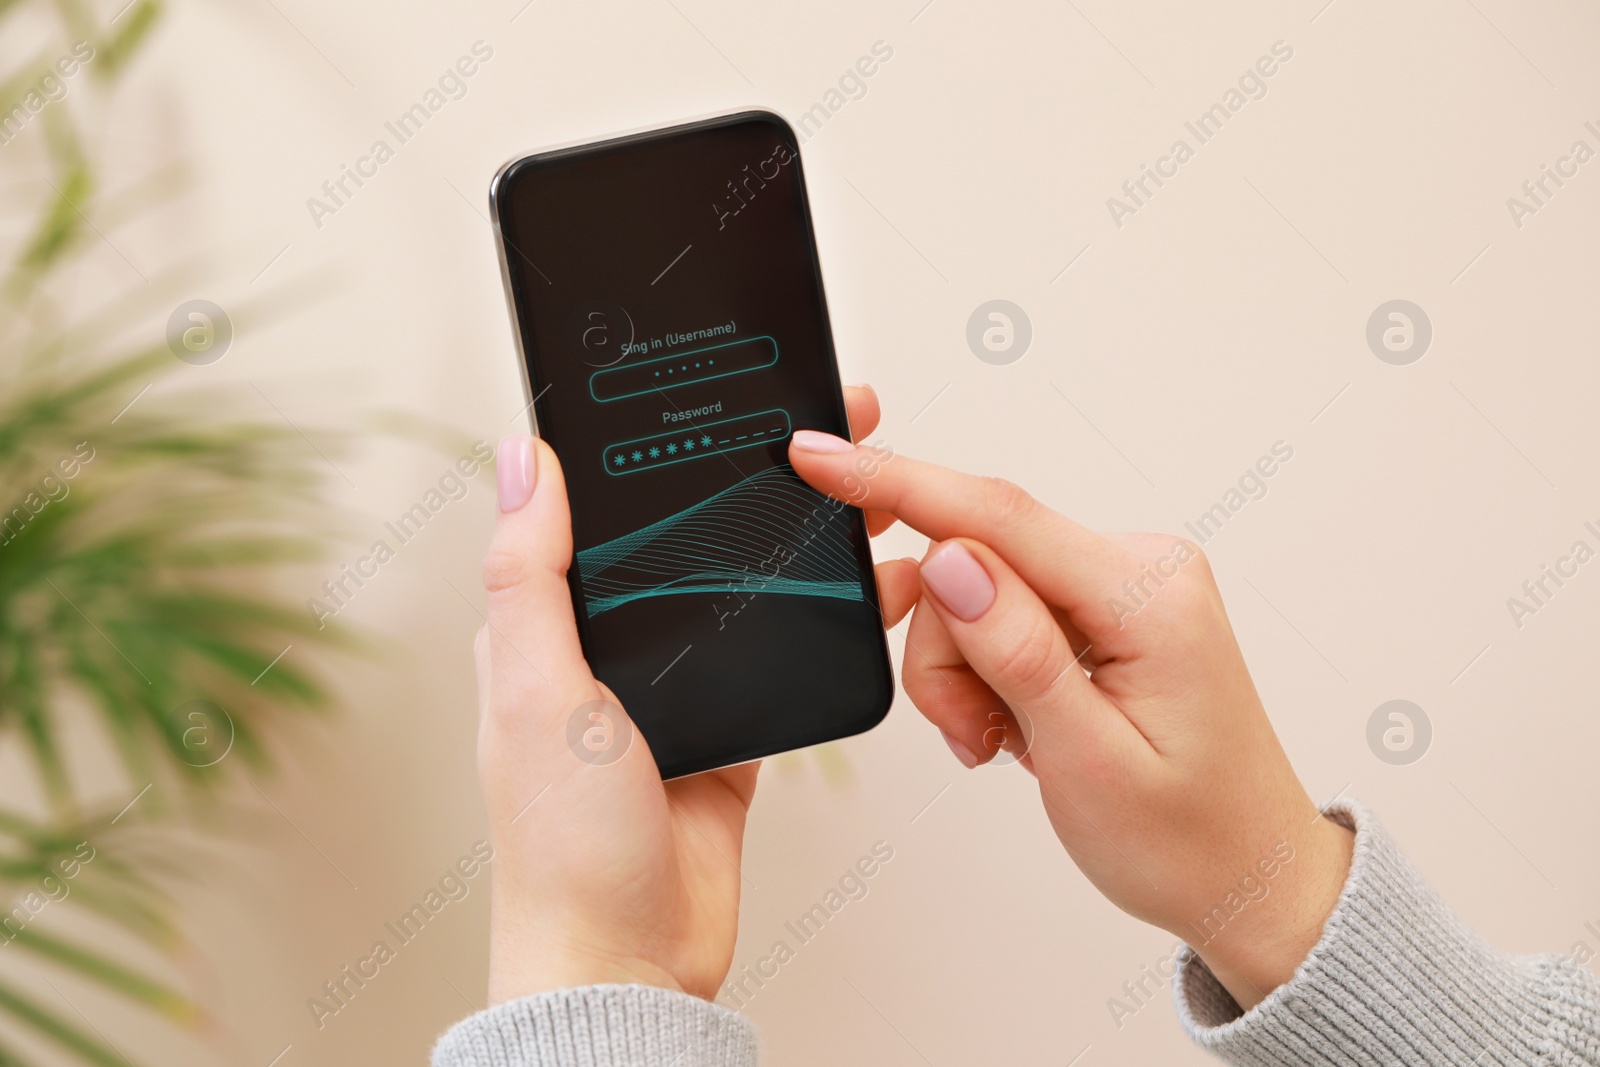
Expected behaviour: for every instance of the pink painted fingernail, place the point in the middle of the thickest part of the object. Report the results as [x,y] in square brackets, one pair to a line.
[514,464]
[817,441]
[959,581]
[962,752]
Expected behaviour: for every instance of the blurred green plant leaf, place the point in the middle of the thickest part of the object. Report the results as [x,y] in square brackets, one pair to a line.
[140,539]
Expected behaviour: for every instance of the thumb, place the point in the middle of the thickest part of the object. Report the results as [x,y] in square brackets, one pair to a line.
[535,658]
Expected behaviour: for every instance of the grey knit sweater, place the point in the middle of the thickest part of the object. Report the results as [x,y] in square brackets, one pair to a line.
[1395,979]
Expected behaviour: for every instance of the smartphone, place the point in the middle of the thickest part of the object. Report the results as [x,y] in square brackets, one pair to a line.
[668,303]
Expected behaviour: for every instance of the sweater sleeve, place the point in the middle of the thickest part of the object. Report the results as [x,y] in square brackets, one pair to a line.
[601,1026]
[1397,978]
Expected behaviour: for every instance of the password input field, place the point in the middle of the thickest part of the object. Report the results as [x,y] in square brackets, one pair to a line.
[696,441]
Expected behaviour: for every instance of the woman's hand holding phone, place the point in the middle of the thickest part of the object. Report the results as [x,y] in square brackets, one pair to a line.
[603,873]
[1111,659]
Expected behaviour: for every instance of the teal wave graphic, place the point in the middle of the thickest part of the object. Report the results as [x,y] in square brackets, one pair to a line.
[769,533]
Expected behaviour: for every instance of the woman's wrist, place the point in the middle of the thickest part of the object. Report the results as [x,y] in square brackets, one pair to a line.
[521,971]
[1263,946]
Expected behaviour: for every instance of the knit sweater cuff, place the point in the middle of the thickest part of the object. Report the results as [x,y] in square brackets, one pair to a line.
[1397,978]
[601,1026]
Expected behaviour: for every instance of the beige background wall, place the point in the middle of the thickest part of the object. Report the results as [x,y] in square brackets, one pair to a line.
[1227,314]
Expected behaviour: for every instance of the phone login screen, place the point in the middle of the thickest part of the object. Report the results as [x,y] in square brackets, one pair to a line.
[676,334]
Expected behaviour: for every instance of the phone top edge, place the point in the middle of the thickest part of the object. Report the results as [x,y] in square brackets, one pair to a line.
[496,183]
[624,136]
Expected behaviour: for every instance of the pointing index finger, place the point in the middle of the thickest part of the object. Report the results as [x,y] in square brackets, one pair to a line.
[1066,563]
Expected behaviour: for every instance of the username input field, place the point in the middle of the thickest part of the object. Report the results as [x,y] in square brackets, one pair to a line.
[683,368]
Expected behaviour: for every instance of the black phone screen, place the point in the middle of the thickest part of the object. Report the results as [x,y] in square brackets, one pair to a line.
[673,324]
